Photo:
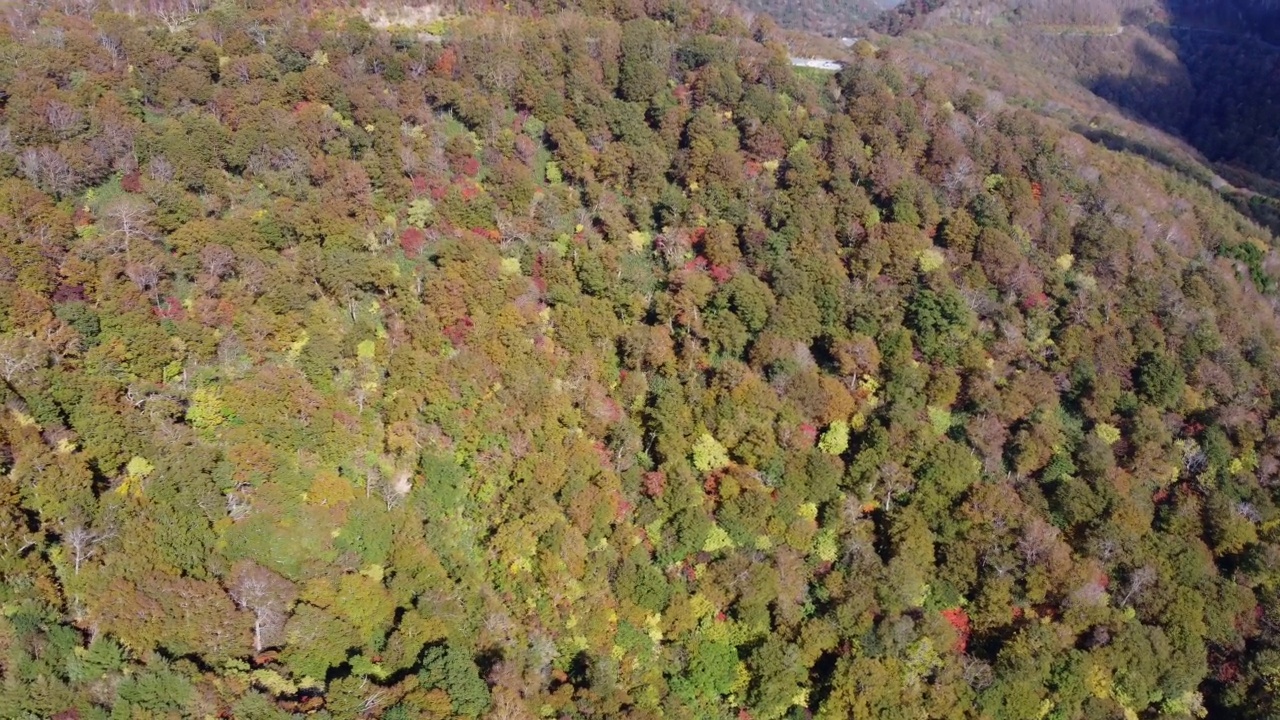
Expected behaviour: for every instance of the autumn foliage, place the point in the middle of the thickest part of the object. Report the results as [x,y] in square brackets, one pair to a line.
[588,362]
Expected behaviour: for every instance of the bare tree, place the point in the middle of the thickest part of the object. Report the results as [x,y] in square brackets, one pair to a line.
[176,14]
[83,8]
[977,673]
[218,261]
[371,703]
[114,139]
[14,540]
[894,480]
[260,33]
[1037,541]
[63,119]
[360,394]
[1105,548]
[159,169]
[1139,580]
[960,178]
[83,542]
[255,276]
[268,596]
[507,705]
[126,220]
[1248,511]
[19,355]
[146,276]
[113,46]
[1091,594]
[238,503]
[394,490]
[46,167]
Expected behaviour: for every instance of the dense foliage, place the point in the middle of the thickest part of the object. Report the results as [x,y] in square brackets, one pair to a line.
[590,362]
[833,18]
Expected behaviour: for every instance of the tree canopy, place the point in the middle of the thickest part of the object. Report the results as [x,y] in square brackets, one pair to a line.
[590,361]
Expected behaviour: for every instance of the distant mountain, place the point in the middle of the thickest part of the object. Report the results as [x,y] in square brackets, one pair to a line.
[833,18]
[1195,82]
[1206,72]
[1259,18]
[1005,13]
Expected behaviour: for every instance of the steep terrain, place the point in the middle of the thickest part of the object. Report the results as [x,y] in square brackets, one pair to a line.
[1205,72]
[591,361]
[834,18]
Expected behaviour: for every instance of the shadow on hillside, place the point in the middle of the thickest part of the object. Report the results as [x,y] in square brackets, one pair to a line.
[1209,78]
[1261,209]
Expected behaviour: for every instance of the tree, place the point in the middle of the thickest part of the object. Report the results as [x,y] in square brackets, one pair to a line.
[940,322]
[1159,379]
[49,170]
[835,440]
[126,220]
[315,641]
[711,673]
[177,14]
[451,669]
[646,52]
[265,594]
[781,679]
[83,543]
[20,355]
[180,615]
[594,362]
[708,454]
[159,691]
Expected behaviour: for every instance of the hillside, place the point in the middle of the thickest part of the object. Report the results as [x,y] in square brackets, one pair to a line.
[1203,72]
[591,361]
[833,18]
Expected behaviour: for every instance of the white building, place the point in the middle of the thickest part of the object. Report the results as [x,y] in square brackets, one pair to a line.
[818,63]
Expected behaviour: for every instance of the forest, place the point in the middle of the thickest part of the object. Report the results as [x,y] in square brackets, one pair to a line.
[832,18]
[1205,71]
[584,359]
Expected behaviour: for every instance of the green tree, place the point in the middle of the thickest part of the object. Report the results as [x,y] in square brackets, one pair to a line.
[453,670]
[646,52]
[940,322]
[1159,379]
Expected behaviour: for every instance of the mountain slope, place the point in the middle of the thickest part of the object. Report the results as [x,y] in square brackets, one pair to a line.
[838,18]
[1203,71]
[594,362]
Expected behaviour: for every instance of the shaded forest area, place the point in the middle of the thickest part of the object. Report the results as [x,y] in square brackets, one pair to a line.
[1225,100]
[1208,72]
[589,362]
